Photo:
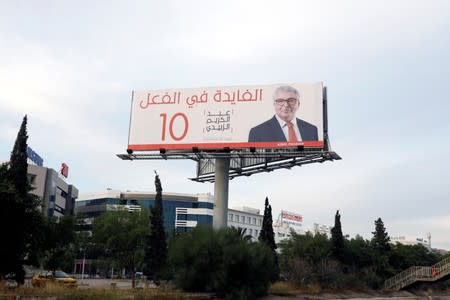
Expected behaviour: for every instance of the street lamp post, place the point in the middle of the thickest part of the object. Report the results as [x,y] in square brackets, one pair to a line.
[84,262]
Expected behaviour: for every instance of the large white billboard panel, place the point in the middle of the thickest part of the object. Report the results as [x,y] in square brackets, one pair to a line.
[234,116]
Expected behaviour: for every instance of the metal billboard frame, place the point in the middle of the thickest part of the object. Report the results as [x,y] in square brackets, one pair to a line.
[245,162]
[221,165]
[265,160]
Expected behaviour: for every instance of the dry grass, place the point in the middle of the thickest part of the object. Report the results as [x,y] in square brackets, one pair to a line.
[313,289]
[59,292]
[287,288]
[283,288]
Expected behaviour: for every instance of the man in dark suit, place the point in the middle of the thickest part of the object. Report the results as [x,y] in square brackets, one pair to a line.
[284,127]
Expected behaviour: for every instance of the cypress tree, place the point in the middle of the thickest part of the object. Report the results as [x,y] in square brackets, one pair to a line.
[337,239]
[156,249]
[266,235]
[21,220]
[18,161]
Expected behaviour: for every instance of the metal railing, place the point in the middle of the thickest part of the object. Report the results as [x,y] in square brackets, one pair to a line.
[418,273]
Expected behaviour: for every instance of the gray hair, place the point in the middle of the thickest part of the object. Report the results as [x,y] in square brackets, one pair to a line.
[286,89]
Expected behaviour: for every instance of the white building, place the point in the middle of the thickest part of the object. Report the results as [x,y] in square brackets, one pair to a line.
[250,220]
[285,223]
[405,240]
[322,229]
[246,218]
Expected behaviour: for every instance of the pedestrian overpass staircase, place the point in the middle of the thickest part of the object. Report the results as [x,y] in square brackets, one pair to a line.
[413,274]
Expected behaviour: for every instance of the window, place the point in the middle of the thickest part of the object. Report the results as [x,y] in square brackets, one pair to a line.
[249,220]
[236,218]
[250,231]
[254,221]
[259,222]
[242,219]
[206,205]
[32,179]
[230,217]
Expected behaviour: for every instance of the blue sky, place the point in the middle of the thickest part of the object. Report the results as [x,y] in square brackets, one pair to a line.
[71,66]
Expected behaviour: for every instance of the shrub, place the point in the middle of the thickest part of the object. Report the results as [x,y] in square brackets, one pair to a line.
[221,261]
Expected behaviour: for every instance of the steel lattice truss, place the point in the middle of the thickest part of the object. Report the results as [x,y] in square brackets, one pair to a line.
[243,162]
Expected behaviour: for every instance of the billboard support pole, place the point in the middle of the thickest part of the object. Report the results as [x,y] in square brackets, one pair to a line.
[326,141]
[222,168]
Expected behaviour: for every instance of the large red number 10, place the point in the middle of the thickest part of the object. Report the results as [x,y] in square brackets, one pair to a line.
[172,120]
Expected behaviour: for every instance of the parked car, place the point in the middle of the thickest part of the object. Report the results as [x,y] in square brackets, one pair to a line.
[45,278]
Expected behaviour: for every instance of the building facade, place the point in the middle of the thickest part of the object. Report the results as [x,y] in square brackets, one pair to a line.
[58,197]
[181,212]
[411,241]
[246,218]
[322,229]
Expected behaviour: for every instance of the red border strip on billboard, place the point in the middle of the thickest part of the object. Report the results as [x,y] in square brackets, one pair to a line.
[209,146]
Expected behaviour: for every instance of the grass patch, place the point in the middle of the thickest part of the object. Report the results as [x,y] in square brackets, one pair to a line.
[313,288]
[100,293]
[283,288]
[288,288]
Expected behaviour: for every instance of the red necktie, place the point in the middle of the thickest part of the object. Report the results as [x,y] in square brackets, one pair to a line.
[291,131]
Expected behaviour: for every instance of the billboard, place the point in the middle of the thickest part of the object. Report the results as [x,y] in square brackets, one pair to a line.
[64,170]
[34,157]
[258,116]
[291,218]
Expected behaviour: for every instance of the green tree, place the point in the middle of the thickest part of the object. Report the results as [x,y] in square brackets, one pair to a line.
[337,239]
[156,247]
[18,162]
[405,256]
[266,235]
[9,258]
[122,236]
[223,262]
[242,232]
[380,239]
[305,259]
[20,219]
[382,253]
[359,253]
[58,243]
[359,264]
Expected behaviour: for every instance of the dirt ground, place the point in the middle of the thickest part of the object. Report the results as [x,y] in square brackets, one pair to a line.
[419,292]
[378,295]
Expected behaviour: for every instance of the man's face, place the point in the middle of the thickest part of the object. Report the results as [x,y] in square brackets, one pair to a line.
[286,105]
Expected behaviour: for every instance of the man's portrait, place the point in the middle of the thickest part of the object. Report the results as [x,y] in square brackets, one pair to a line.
[284,126]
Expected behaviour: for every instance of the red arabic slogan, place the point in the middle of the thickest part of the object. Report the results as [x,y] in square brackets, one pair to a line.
[291,216]
[191,100]
[215,121]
